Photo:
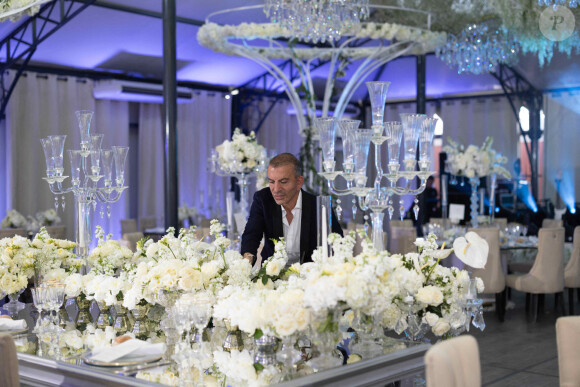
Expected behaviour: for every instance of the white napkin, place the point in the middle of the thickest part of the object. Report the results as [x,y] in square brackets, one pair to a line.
[128,350]
[12,325]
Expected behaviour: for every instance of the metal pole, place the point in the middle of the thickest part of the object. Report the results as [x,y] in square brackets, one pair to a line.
[421,79]
[535,134]
[170,113]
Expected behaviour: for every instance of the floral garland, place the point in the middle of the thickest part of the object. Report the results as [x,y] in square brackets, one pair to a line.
[217,38]
[15,9]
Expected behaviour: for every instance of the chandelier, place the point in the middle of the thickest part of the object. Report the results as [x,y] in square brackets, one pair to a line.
[479,49]
[556,3]
[317,21]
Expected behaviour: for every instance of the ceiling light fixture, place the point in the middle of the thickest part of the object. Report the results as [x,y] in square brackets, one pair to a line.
[479,49]
[556,3]
[317,21]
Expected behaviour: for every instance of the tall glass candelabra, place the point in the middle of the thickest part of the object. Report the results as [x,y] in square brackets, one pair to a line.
[86,169]
[414,131]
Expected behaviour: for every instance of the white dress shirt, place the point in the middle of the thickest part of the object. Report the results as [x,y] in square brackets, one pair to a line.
[292,231]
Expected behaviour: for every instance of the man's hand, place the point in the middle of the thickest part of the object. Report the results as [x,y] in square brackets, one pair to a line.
[250,257]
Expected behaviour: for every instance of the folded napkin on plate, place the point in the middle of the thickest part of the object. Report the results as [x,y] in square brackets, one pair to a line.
[10,325]
[128,350]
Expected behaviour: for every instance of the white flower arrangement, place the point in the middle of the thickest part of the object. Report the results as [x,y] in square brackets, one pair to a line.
[185,212]
[473,161]
[184,264]
[13,219]
[21,259]
[48,217]
[238,368]
[241,154]
[109,256]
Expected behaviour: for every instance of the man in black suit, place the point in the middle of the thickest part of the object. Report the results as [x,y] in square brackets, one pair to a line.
[283,210]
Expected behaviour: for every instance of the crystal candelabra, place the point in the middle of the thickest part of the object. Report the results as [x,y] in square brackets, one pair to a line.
[241,173]
[413,130]
[86,171]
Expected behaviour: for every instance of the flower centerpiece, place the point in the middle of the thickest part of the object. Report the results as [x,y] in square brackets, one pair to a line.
[48,217]
[13,219]
[240,155]
[108,257]
[474,163]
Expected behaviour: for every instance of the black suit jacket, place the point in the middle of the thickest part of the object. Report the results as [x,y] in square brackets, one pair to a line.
[266,221]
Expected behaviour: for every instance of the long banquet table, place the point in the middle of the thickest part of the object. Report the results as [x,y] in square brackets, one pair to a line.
[400,364]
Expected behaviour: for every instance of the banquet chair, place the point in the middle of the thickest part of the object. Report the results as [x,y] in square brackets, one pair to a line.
[10,232]
[501,222]
[552,223]
[567,339]
[132,238]
[205,222]
[492,275]
[56,232]
[147,223]
[401,223]
[547,274]
[9,364]
[572,270]
[403,240]
[453,363]
[128,225]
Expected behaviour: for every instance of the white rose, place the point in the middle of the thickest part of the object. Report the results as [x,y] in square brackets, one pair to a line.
[274,267]
[441,327]
[431,318]
[430,295]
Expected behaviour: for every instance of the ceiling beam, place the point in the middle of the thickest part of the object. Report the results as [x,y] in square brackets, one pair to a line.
[145,12]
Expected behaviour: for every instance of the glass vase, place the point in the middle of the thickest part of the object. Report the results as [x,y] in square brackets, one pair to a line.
[233,340]
[365,346]
[84,315]
[105,319]
[324,336]
[288,356]
[265,352]
[14,305]
[141,326]
[474,199]
[122,323]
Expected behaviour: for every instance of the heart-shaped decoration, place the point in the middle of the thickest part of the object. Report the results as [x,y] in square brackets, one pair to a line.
[471,250]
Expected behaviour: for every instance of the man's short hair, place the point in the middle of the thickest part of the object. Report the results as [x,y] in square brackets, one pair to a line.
[286,159]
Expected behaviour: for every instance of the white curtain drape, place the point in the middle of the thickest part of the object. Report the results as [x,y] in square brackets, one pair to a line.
[201,126]
[561,139]
[44,105]
[470,121]
[150,169]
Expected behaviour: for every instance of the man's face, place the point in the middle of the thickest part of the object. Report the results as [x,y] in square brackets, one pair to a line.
[284,185]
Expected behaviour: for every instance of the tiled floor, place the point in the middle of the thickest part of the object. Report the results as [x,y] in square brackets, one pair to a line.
[517,352]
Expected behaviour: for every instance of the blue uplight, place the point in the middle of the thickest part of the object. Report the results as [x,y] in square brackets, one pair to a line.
[525,195]
[497,209]
[566,189]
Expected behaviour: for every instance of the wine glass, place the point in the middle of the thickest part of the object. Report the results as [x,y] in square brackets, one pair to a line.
[39,300]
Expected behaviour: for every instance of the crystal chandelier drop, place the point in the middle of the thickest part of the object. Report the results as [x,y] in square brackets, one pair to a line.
[556,3]
[479,49]
[317,21]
